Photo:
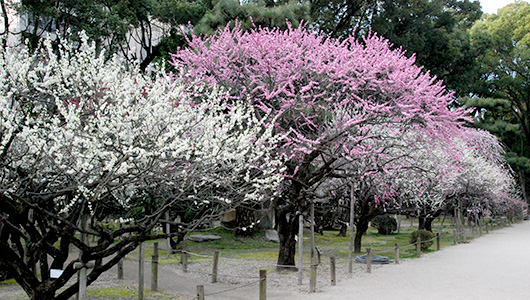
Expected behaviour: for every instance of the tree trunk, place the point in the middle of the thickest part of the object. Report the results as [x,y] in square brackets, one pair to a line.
[421,223]
[425,223]
[362,227]
[287,229]
[343,230]
[244,220]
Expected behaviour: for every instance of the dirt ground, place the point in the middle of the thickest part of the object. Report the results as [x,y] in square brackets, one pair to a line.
[494,266]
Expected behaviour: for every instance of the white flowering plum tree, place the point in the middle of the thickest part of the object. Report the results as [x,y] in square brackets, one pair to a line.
[80,136]
[483,178]
[324,95]
[437,180]
[424,178]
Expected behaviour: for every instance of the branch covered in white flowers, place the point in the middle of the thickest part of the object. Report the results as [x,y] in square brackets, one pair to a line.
[83,136]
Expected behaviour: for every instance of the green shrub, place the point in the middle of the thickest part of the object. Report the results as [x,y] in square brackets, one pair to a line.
[385,224]
[424,235]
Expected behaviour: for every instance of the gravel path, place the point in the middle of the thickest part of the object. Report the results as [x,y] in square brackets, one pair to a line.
[494,266]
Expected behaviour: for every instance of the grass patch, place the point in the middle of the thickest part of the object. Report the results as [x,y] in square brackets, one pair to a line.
[116,292]
[8,282]
[260,254]
[258,247]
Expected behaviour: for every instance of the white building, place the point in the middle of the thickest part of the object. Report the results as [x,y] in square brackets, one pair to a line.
[140,42]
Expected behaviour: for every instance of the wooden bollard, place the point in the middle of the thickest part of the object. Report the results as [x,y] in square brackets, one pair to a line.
[168,239]
[396,248]
[454,237]
[200,292]
[438,241]
[487,228]
[300,248]
[262,284]
[418,246]
[368,260]
[154,273]
[184,261]
[82,267]
[120,269]
[332,271]
[215,266]
[141,273]
[313,278]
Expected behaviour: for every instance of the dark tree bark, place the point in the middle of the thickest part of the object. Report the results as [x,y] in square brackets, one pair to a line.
[362,227]
[425,222]
[287,229]
[342,231]
[244,218]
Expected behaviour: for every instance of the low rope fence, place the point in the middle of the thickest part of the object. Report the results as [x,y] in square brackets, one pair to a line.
[307,267]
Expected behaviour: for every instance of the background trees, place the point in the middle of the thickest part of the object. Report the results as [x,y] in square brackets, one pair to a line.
[503,83]
[82,136]
[138,30]
[434,31]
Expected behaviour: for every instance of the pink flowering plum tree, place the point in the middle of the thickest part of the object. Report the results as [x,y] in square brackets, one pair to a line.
[80,135]
[325,96]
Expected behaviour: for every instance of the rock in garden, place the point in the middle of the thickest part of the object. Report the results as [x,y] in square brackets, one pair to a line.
[376,259]
[203,238]
[272,235]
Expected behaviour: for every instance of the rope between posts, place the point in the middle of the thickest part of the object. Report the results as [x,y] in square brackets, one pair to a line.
[199,255]
[385,250]
[223,275]
[235,288]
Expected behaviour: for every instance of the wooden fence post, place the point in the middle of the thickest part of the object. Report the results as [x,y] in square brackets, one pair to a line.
[438,241]
[141,273]
[120,269]
[184,261]
[300,248]
[396,247]
[154,273]
[332,270]
[351,229]
[215,266]
[368,260]
[200,292]
[487,228]
[454,237]
[418,246]
[168,239]
[313,278]
[82,273]
[262,284]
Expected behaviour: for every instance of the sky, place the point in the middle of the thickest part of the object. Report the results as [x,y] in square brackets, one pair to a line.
[491,6]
